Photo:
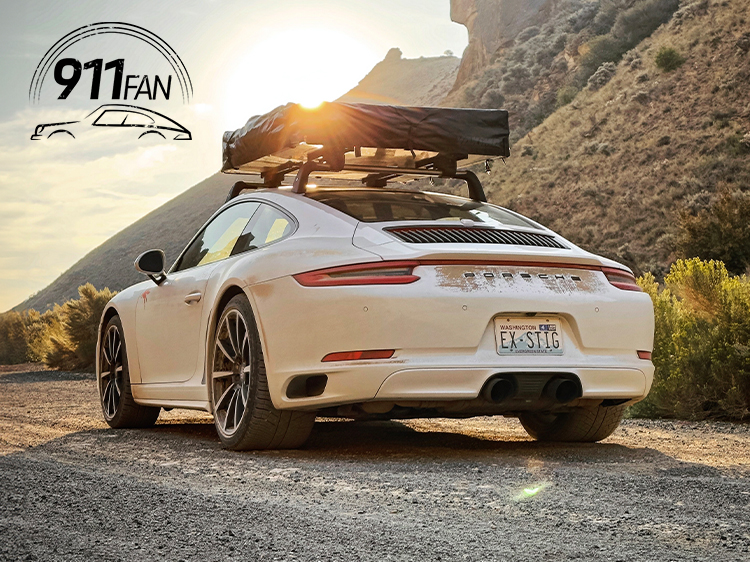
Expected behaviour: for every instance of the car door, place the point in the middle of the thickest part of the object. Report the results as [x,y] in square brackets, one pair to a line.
[168,317]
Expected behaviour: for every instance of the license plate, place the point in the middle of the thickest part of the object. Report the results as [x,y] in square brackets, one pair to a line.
[528,337]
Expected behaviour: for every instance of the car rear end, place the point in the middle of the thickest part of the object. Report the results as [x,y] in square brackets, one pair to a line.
[458,312]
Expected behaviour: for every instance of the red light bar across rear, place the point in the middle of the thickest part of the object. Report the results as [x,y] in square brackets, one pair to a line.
[378,273]
[359,355]
[402,272]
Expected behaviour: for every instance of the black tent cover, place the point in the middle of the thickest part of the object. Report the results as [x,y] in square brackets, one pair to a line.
[348,125]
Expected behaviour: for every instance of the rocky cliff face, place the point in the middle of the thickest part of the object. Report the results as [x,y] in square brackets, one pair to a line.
[400,81]
[492,24]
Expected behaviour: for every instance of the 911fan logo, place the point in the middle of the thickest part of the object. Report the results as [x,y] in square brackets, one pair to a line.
[102,77]
[142,87]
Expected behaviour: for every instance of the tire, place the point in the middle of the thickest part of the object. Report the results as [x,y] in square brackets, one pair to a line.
[115,395]
[584,425]
[244,415]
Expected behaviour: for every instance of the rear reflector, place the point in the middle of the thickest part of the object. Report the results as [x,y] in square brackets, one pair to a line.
[644,355]
[621,279]
[378,273]
[359,355]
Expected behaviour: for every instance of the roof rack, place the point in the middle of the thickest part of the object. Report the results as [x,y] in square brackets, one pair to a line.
[323,160]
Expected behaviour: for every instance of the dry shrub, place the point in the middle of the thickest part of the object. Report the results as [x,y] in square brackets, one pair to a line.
[73,339]
[24,336]
[668,59]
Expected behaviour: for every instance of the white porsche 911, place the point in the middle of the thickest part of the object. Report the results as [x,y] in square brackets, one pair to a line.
[374,302]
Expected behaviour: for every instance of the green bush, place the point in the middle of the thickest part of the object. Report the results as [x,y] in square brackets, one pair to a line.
[668,59]
[565,95]
[599,50]
[492,99]
[638,22]
[701,343]
[73,339]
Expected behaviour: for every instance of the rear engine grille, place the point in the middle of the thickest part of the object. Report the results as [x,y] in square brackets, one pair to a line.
[472,235]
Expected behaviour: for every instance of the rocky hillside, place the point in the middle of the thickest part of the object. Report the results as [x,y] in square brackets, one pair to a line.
[532,56]
[493,26]
[399,81]
[651,142]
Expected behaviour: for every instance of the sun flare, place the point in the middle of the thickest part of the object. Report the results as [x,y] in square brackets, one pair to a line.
[306,65]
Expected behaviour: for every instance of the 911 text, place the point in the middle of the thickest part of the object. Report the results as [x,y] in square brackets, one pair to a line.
[135,84]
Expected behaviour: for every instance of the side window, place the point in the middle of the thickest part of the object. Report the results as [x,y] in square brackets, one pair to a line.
[219,238]
[111,117]
[135,119]
[268,225]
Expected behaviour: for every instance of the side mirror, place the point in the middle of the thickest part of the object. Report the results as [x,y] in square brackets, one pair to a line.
[151,263]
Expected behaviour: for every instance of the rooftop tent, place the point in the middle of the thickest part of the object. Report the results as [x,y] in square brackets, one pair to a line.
[364,142]
[481,132]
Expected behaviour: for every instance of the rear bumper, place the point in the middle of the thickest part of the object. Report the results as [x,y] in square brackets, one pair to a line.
[465,384]
[393,383]
[443,333]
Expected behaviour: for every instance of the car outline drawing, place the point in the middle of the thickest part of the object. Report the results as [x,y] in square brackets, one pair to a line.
[117,116]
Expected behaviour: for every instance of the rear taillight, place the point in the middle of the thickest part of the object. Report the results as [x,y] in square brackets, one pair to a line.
[379,273]
[644,355]
[621,279]
[359,355]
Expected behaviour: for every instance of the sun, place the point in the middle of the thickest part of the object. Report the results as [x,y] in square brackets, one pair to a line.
[307,65]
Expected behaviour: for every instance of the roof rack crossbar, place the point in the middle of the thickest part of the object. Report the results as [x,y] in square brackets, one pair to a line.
[241,186]
[476,191]
[332,160]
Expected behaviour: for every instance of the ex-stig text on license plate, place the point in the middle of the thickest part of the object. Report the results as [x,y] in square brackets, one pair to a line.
[525,337]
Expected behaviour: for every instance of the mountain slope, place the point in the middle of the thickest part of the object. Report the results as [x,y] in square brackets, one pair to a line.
[169,227]
[399,81]
[613,170]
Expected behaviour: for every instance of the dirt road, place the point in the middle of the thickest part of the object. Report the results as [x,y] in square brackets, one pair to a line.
[72,489]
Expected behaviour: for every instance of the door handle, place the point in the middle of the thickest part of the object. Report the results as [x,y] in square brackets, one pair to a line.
[193,297]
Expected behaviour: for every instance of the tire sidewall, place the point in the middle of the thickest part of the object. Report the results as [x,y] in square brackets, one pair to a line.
[116,420]
[241,304]
[572,426]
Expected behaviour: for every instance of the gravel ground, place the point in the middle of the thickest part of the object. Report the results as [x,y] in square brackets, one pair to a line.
[479,489]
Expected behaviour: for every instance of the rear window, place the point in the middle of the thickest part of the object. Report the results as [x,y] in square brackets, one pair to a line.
[383,206]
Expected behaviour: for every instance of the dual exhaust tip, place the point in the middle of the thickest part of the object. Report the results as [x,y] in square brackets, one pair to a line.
[559,390]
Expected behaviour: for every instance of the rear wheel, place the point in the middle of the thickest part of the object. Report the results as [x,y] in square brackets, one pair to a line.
[585,425]
[244,415]
[118,406]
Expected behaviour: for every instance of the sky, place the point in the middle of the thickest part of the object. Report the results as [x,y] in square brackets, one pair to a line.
[62,197]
